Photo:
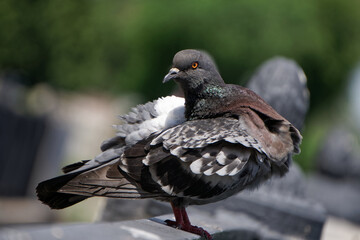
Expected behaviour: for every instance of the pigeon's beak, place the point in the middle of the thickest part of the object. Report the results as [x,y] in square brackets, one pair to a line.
[172,74]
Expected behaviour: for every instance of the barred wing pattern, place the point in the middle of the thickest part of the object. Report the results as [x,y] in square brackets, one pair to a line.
[203,161]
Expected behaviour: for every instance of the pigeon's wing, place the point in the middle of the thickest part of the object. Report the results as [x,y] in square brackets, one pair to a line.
[272,138]
[207,158]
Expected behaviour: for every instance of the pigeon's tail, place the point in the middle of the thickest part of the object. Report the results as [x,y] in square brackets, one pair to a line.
[101,176]
[47,192]
[53,192]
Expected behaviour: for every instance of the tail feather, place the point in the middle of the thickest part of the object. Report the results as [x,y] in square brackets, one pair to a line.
[47,193]
[69,189]
[74,166]
[98,183]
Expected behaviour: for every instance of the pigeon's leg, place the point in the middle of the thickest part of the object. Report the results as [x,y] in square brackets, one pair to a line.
[182,222]
[178,218]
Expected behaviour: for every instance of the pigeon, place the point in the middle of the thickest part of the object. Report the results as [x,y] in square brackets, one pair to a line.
[214,142]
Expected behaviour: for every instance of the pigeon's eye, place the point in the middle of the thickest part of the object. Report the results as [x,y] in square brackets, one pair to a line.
[195,65]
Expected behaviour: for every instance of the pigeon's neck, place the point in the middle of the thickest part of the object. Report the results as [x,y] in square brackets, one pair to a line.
[205,101]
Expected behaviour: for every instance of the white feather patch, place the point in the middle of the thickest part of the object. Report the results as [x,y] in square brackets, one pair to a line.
[169,112]
[196,166]
[168,189]
[178,151]
[209,172]
[221,158]
[222,171]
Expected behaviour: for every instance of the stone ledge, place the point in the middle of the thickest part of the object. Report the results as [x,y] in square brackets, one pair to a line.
[137,229]
[222,224]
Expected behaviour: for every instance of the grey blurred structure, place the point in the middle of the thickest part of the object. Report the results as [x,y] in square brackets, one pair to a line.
[354,96]
[339,156]
[336,181]
[30,143]
[282,83]
[20,137]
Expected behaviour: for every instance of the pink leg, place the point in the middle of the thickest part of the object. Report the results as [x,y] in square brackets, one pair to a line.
[182,222]
[178,218]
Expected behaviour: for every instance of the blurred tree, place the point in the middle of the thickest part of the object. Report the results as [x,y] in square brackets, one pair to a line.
[128,45]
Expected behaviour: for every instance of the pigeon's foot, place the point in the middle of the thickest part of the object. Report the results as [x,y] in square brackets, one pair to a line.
[190,228]
[182,222]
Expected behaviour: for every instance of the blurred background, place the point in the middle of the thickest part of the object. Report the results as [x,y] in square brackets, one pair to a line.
[68,68]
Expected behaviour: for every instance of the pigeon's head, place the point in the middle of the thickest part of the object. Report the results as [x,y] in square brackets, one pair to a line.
[192,69]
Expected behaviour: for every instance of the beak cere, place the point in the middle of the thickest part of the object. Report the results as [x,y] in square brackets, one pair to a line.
[172,73]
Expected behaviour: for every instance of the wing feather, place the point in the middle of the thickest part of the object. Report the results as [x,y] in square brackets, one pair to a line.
[203,158]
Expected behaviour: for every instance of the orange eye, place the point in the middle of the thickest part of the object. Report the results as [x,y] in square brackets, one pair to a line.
[195,65]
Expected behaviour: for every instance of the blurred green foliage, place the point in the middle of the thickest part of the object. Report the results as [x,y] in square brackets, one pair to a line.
[119,46]
[128,45]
